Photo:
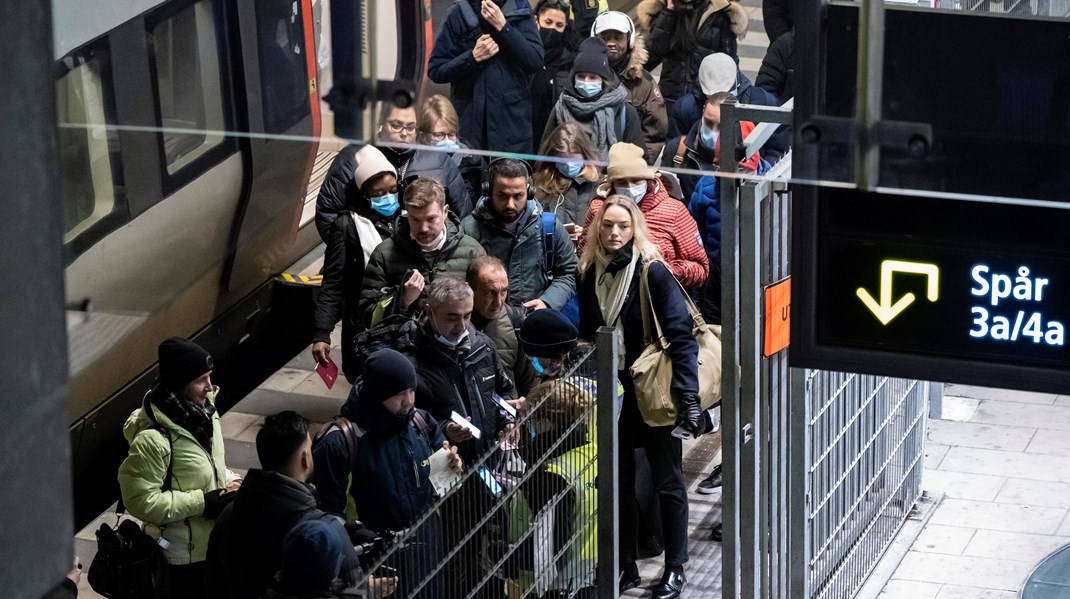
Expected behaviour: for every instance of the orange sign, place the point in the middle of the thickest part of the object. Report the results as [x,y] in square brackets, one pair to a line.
[777,317]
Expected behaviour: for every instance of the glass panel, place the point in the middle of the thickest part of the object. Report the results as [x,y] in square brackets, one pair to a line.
[189,84]
[283,73]
[88,151]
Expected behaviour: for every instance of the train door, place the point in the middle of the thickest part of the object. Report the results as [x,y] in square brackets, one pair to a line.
[279,67]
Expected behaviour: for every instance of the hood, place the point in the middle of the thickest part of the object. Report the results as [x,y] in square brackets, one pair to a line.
[648,10]
[705,155]
[636,58]
[486,215]
[140,420]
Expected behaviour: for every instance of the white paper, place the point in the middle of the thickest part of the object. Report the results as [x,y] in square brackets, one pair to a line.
[442,477]
[461,420]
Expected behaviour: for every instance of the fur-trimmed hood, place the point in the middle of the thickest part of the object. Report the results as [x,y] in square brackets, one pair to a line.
[639,56]
[647,10]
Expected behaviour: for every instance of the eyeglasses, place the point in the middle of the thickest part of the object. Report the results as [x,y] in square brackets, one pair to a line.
[442,136]
[398,127]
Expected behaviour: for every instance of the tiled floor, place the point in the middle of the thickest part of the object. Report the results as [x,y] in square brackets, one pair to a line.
[1002,460]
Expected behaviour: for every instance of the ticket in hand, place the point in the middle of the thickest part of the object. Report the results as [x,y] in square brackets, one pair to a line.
[461,420]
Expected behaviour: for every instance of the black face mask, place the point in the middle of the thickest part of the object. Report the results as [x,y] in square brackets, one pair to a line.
[553,45]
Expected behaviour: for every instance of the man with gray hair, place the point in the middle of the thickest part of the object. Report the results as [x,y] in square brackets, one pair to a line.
[458,369]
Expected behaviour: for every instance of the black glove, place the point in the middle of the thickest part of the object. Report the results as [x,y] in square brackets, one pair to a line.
[359,534]
[214,502]
[690,416]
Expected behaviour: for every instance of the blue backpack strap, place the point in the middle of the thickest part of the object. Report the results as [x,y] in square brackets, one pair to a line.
[549,220]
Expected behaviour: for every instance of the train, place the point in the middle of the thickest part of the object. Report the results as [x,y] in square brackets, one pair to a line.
[188,136]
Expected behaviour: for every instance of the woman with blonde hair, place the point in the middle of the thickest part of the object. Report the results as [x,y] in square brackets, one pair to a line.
[437,125]
[617,254]
[566,186]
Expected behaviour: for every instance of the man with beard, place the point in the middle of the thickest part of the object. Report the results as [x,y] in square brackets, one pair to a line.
[626,50]
[397,129]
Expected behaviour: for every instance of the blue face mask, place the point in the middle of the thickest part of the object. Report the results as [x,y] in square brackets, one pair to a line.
[449,145]
[452,344]
[571,169]
[635,192]
[386,205]
[589,89]
[708,136]
[538,367]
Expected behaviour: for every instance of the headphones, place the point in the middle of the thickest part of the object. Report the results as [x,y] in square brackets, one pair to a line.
[631,26]
[492,171]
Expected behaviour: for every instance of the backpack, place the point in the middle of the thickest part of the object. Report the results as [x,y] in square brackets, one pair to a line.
[571,309]
[130,564]
[384,334]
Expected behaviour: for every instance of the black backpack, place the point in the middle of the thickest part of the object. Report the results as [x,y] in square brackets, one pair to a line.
[385,334]
[130,564]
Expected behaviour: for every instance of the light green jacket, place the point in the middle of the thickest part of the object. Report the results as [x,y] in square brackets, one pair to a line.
[174,515]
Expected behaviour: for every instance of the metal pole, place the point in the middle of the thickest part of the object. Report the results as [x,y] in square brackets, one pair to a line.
[868,92]
[608,466]
[36,513]
[730,437]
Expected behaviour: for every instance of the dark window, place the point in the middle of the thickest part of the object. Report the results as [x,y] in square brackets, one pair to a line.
[284,80]
[90,183]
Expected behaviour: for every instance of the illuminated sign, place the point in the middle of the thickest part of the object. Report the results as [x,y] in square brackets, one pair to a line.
[928,288]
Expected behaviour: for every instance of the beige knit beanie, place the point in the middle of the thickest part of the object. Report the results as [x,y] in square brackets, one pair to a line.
[370,162]
[626,161]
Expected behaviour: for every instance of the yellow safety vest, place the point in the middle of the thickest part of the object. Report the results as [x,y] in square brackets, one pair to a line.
[575,568]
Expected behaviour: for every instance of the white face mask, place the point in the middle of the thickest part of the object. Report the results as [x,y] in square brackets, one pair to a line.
[635,192]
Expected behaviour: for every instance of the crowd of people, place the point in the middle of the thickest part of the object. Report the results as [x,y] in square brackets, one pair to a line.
[464,287]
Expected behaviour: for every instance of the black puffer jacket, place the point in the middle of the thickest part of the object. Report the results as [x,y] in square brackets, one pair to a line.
[245,548]
[777,75]
[343,274]
[463,381]
[715,27]
[548,82]
[339,191]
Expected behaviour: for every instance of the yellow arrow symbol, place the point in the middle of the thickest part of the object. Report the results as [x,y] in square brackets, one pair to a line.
[885,311]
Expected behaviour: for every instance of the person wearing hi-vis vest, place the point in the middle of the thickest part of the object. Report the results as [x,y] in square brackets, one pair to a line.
[553,531]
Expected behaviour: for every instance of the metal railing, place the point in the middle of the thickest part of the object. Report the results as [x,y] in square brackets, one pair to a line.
[821,468]
[530,517]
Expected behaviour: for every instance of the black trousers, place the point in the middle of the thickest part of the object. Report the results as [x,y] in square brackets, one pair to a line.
[188,581]
[665,454]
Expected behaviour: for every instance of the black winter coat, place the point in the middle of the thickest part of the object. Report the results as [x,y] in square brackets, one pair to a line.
[492,97]
[343,274]
[777,75]
[339,192]
[465,384]
[547,84]
[245,547]
[715,24]
[778,17]
[671,310]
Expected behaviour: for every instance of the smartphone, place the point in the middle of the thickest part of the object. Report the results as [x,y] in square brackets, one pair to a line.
[682,433]
[491,482]
[386,572]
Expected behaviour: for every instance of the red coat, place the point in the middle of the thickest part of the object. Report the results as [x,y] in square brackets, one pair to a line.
[673,230]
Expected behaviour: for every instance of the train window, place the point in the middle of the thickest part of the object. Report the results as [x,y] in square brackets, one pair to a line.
[90,182]
[189,85]
[284,80]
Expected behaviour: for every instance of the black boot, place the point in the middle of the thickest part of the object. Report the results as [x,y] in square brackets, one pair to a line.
[715,534]
[672,584]
[629,580]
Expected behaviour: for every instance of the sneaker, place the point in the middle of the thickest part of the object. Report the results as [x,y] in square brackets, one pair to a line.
[711,484]
[715,534]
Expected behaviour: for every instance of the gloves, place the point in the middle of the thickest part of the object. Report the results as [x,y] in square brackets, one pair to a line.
[690,416]
[359,534]
[214,502]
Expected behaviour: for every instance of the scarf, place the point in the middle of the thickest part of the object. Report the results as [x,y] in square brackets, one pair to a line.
[611,289]
[368,235]
[597,114]
[198,421]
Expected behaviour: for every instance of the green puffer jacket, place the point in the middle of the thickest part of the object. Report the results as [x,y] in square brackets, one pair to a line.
[176,514]
[393,258]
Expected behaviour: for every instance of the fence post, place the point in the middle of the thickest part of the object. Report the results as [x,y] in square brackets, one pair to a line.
[608,498]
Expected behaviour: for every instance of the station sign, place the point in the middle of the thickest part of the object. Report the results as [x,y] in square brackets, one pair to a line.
[935,289]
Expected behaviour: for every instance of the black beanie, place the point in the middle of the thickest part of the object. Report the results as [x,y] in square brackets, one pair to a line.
[386,373]
[592,58]
[181,362]
[547,334]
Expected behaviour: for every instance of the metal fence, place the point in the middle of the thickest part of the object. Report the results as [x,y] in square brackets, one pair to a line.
[821,468]
[523,519]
